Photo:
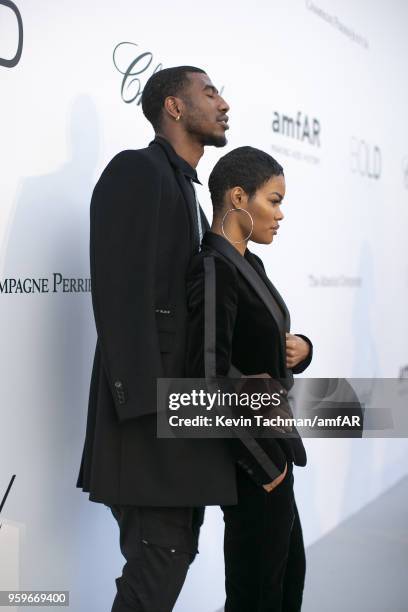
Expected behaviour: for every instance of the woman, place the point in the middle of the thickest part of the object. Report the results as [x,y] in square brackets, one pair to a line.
[239,326]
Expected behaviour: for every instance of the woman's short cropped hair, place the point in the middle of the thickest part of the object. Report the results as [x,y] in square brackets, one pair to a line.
[246,167]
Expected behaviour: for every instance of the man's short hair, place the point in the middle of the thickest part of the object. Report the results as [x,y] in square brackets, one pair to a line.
[244,167]
[166,82]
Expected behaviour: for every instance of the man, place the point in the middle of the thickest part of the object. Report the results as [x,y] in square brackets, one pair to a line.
[145,224]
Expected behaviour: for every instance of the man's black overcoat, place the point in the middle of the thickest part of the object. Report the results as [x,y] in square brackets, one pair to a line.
[141,240]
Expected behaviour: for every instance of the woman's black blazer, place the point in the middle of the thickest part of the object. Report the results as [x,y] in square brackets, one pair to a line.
[236,325]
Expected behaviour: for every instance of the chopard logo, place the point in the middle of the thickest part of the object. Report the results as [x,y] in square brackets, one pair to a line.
[58,284]
[6,493]
[135,70]
[10,63]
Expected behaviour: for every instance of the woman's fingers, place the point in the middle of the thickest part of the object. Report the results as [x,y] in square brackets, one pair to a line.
[297,349]
[276,482]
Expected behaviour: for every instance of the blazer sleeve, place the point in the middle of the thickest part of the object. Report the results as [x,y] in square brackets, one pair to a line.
[212,290]
[123,236]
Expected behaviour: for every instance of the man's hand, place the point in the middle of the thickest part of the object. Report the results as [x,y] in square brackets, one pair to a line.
[272,485]
[297,350]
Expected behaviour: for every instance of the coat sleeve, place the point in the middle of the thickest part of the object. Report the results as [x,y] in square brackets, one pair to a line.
[123,236]
[212,290]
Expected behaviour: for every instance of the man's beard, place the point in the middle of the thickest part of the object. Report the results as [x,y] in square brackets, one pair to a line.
[213,140]
[206,139]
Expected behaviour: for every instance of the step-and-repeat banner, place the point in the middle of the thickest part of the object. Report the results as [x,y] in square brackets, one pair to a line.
[319,84]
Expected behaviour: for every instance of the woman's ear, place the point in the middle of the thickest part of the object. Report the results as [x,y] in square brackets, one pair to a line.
[237,197]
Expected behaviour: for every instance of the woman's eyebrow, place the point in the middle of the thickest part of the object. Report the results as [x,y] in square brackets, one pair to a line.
[276,193]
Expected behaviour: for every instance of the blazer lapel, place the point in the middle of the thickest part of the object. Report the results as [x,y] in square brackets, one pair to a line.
[259,268]
[263,289]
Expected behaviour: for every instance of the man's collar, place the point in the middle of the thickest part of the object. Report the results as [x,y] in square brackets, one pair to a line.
[175,159]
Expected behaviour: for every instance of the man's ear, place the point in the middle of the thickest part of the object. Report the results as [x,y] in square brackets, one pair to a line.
[172,107]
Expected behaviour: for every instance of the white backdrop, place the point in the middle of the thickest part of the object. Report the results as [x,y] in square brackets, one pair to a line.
[340,259]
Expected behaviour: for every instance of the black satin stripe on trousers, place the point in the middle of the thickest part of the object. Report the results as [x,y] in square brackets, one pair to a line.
[158,544]
[295,573]
[263,549]
[210,366]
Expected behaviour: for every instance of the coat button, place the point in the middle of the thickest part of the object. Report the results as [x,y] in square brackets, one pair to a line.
[118,384]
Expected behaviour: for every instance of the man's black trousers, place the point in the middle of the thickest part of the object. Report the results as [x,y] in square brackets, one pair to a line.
[263,549]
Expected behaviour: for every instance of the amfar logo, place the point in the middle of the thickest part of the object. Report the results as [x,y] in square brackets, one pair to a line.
[300,127]
[10,63]
[405,172]
[131,88]
[41,285]
[365,159]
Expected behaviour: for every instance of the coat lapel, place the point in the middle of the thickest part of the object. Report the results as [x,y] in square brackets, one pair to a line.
[188,198]
[190,204]
[183,187]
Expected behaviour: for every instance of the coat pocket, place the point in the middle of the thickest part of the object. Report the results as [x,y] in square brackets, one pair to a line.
[165,329]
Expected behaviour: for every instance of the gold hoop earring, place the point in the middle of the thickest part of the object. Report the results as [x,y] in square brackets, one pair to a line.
[252,225]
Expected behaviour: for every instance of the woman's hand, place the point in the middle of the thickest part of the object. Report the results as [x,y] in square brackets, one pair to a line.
[297,350]
[272,485]
[272,412]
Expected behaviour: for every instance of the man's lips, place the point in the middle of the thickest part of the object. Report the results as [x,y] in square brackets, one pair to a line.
[224,122]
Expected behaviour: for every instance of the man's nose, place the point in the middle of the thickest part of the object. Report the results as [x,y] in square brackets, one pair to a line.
[224,106]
